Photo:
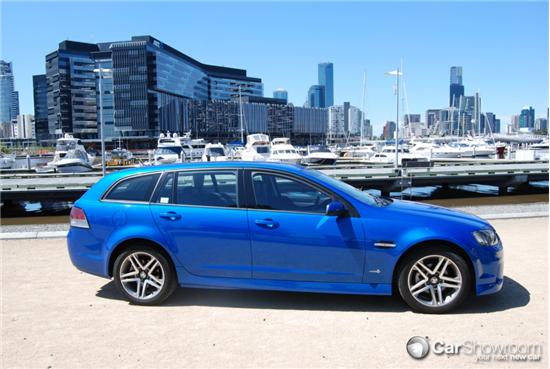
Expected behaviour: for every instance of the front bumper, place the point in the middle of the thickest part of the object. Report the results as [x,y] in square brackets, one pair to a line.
[490,270]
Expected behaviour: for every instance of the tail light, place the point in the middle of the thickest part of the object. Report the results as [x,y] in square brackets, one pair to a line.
[78,218]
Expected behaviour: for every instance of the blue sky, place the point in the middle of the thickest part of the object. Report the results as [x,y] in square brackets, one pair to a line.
[502,46]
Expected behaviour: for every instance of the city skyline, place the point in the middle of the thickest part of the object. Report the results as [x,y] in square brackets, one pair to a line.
[296,74]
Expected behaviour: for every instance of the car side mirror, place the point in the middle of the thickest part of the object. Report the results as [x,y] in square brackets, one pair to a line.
[336,208]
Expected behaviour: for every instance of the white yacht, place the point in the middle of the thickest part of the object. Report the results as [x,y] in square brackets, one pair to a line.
[257,148]
[478,147]
[214,152]
[168,150]
[283,151]
[387,155]
[6,161]
[119,154]
[235,152]
[193,148]
[320,155]
[70,157]
[364,151]
[431,150]
[538,151]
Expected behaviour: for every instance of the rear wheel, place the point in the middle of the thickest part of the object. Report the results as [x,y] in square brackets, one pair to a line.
[434,280]
[144,275]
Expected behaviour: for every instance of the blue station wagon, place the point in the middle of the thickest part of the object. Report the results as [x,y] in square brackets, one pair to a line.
[270,226]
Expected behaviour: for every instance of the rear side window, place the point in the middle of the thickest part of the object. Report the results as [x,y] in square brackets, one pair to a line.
[207,189]
[134,189]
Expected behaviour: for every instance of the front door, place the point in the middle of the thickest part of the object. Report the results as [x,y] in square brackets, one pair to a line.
[293,239]
[198,213]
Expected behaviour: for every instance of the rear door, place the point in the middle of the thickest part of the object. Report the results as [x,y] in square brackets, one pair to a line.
[199,213]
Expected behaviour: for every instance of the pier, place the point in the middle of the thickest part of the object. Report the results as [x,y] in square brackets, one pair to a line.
[19,186]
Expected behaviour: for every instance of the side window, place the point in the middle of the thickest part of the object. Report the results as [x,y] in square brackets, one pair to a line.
[134,188]
[276,192]
[215,188]
[165,193]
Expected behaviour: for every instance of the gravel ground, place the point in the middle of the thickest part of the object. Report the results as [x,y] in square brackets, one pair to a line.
[54,316]
[478,210]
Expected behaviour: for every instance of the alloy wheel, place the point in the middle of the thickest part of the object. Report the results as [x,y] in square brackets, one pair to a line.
[142,275]
[434,281]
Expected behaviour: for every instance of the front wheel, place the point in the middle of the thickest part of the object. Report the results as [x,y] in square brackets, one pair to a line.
[434,281]
[144,275]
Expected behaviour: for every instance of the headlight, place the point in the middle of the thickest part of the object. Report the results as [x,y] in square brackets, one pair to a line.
[486,237]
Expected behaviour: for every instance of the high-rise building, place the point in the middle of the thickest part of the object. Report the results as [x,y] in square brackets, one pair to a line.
[346,117]
[40,93]
[145,93]
[514,123]
[9,98]
[367,129]
[456,89]
[389,130]
[354,119]
[336,121]
[489,123]
[15,104]
[24,127]
[411,118]
[316,97]
[527,117]
[281,93]
[432,117]
[71,90]
[326,79]
[541,124]
[456,75]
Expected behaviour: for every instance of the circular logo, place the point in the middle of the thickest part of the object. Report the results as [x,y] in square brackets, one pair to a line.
[418,347]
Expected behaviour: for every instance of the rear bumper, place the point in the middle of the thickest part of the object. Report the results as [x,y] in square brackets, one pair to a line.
[86,252]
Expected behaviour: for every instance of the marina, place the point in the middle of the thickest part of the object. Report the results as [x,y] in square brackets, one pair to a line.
[19,186]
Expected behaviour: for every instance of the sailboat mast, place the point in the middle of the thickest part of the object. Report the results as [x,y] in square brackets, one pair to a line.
[241,115]
[363,106]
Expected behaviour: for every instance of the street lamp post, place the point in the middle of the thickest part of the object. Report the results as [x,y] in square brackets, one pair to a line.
[396,73]
[100,71]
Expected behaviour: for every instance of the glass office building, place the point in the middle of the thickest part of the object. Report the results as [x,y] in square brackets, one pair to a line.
[153,88]
[6,92]
[153,81]
[326,79]
[40,92]
[281,93]
[316,97]
[71,88]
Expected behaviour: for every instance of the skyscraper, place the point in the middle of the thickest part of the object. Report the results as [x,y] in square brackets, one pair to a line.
[527,117]
[40,92]
[541,124]
[281,93]
[389,130]
[432,116]
[9,98]
[456,75]
[71,90]
[326,79]
[456,89]
[316,96]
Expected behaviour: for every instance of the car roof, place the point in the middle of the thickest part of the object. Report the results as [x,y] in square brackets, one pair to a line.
[213,165]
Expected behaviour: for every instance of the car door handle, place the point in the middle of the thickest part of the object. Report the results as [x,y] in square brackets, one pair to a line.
[267,223]
[170,215]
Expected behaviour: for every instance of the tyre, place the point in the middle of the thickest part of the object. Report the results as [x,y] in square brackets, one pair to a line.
[434,280]
[144,275]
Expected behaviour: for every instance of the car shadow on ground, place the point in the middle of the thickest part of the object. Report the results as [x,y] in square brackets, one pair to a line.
[513,295]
